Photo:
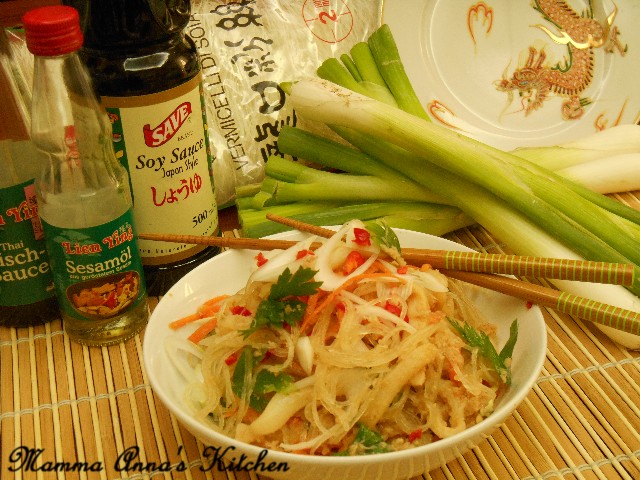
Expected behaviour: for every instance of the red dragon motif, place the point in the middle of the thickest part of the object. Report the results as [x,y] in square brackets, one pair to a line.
[536,80]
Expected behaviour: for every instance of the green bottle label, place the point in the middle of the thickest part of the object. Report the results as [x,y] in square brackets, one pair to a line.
[25,275]
[97,271]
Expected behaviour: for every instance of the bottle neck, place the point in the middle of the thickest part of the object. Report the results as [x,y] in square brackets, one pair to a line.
[126,24]
[70,129]
[54,81]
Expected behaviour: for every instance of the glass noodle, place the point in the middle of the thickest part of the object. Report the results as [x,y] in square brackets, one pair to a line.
[374,359]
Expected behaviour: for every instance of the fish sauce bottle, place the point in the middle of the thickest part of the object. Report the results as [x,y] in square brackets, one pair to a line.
[27,295]
[83,195]
[147,73]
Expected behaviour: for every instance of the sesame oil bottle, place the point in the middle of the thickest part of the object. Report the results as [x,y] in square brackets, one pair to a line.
[83,192]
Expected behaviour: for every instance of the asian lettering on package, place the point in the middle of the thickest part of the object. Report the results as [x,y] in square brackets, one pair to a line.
[247,48]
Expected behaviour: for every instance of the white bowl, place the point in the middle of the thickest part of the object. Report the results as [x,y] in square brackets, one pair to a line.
[228,272]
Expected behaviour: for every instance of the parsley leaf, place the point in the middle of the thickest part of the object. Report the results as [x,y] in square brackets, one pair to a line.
[499,361]
[267,383]
[281,306]
[297,284]
[384,236]
[278,312]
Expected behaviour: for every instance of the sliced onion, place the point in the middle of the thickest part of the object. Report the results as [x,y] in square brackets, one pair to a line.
[276,264]
[331,280]
[185,356]
[381,313]
[304,354]
[402,288]
[431,279]
[350,239]
[280,408]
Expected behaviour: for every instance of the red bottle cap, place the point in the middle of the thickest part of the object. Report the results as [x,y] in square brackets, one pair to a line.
[53,30]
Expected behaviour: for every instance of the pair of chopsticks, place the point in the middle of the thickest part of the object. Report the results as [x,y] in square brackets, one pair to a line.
[480,269]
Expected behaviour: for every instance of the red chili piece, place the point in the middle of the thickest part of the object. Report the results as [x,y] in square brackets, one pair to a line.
[393,308]
[240,310]
[362,237]
[231,359]
[353,261]
[303,253]
[260,260]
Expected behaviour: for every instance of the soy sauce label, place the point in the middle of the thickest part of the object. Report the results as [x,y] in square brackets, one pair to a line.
[25,274]
[162,140]
[97,271]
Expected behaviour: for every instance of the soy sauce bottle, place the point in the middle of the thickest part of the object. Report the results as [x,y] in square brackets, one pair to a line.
[148,75]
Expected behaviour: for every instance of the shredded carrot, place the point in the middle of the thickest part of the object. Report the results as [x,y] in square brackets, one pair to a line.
[217,299]
[231,412]
[313,300]
[207,309]
[211,306]
[372,272]
[181,322]
[250,415]
[378,266]
[204,330]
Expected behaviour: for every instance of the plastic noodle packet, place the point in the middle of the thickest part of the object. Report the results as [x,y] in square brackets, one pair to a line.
[247,48]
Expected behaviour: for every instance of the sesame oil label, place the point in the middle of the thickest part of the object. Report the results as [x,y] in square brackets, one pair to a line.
[162,141]
[97,270]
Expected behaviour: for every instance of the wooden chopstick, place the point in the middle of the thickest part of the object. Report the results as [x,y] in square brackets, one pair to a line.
[596,312]
[600,313]
[223,242]
[440,259]
[522,266]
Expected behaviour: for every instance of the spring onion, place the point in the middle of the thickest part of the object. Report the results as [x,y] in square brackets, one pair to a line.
[387,58]
[606,162]
[522,202]
[617,140]
[537,208]
[288,181]
[427,218]
[610,174]
[436,146]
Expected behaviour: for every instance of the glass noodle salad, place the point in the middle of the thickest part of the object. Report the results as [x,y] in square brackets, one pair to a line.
[341,350]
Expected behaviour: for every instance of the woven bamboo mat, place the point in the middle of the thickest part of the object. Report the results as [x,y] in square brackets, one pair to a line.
[61,403]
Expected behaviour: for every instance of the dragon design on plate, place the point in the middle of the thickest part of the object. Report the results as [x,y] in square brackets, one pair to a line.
[537,79]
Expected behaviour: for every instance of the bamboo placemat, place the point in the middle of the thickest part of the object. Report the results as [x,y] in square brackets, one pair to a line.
[63,403]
